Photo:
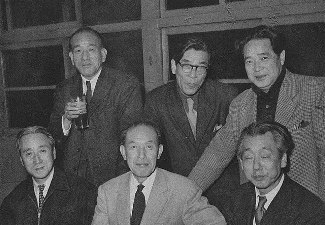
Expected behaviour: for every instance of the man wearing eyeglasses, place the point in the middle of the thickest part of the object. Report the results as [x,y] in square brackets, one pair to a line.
[190,111]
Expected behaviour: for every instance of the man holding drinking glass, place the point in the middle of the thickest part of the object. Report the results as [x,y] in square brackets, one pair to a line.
[91,108]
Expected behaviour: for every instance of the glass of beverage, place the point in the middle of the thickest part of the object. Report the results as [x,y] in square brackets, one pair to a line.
[82,121]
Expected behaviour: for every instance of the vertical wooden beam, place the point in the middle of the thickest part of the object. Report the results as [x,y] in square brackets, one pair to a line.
[152,45]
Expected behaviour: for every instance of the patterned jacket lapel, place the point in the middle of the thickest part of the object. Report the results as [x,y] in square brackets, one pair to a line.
[288,99]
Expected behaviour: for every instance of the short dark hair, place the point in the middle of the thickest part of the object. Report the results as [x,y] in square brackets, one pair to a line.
[147,123]
[277,39]
[194,42]
[281,136]
[86,30]
[34,130]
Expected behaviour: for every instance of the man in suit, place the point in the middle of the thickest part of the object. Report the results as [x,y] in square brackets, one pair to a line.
[48,195]
[115,101]
[296,101]
[190,111]
[270,197]
[149,195]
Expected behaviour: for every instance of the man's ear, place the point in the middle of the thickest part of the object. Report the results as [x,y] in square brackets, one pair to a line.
[160,151]
[122,150]
[282,57]
[241,163]
[71,58]
[284,160]
[54,153]
[173,65]
[104,54]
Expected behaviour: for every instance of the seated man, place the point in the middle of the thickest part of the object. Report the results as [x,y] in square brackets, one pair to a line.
[149,195]
[48,195]
[271,197]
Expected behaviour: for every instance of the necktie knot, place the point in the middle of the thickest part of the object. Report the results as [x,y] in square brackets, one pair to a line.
[41,188]
[260,210]
[140,187]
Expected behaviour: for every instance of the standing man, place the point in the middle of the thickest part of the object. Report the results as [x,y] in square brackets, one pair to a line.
[296,101]
[148,195]
[271,197]
[190,111]
[48,195]
[115,101]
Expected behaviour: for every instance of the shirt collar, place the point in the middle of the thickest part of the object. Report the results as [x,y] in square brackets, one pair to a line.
[47,184]
[271,195]
[93,81]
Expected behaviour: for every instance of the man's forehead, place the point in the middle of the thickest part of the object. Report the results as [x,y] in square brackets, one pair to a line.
[141,132]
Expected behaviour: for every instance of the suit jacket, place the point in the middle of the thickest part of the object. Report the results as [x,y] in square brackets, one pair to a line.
[164,106]
[70,200]
[293,205]
[116,102]
[173,200]
[301,108]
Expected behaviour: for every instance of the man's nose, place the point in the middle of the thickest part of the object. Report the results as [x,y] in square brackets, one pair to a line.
[256,164]
[193,72]
[37,158]
[85,55]
[257,66]
[142,152]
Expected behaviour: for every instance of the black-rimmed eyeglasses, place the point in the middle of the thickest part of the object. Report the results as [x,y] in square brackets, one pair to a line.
[187,68]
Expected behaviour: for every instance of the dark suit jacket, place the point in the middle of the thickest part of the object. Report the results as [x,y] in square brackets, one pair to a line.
[293,205]
[165,107]
[301,108]
[116,102]
[70,201]
[174,199]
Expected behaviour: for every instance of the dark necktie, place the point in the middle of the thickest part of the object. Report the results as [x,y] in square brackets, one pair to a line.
[260,210]
[89,92]
[138,206]
[191,115]
[41,196]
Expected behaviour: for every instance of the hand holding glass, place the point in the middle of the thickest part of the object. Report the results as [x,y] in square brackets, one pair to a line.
[82,121]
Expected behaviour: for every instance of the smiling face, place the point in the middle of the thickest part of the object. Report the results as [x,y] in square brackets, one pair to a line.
[87,54]
[261,161]
[37,156]
[190,83]
[141,151]
[262,65]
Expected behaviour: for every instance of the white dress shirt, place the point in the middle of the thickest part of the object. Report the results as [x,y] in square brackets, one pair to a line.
[148,183]
[47,184]
[269,196]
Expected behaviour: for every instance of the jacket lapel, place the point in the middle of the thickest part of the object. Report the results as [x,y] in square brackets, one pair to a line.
[157,199]
[279,210]
[204,115]
[178,114]
[103,87]
[288,99]
[123,201]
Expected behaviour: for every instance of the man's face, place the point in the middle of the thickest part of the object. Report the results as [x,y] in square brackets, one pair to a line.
[37,156]
[262,65]
[190,83]
[141,150]
[261,162]
[87,55]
